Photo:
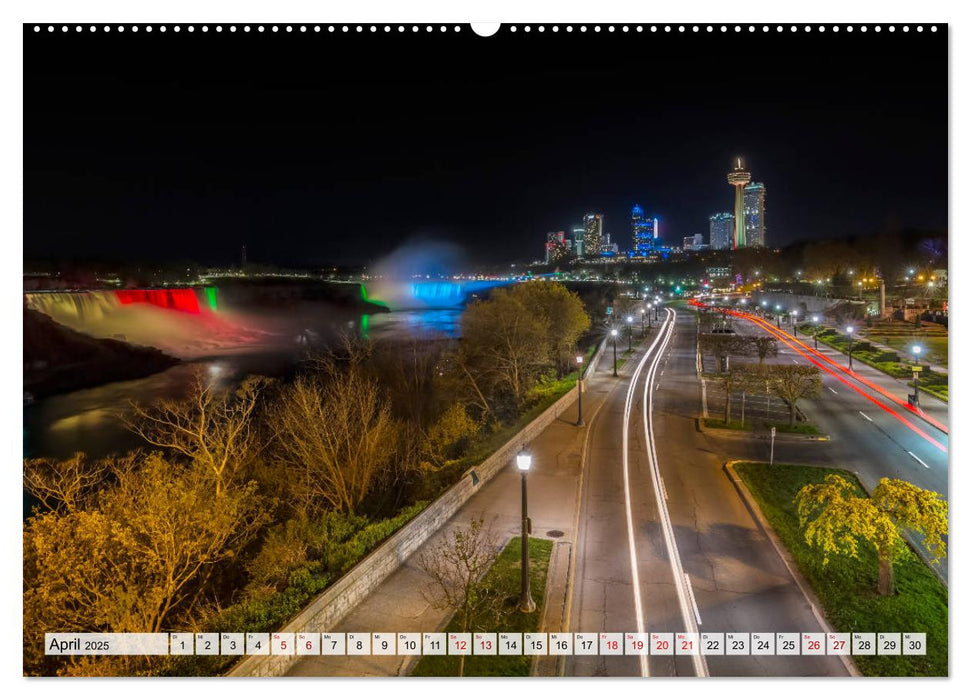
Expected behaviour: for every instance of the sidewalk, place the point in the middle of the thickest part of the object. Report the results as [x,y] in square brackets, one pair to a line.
[398,604]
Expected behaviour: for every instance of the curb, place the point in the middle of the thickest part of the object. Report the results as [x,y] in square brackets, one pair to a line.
[786,558]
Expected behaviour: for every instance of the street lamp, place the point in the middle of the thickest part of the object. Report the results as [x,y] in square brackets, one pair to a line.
[643,313]
[580,390]
[630,334]
[849,332]
[793,315]
[649,307]
[613,335]
[778,316]
[526,604]
[815,332]
[917,350]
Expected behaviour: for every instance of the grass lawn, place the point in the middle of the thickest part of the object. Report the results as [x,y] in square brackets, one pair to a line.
[798,428]
[504,576]
[935,348]
[720,424]
[847,587]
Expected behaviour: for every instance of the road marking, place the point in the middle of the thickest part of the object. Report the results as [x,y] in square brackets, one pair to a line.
[694,603]
[832,389]
[658,386]
[865,416]
[926,466]
[688,616]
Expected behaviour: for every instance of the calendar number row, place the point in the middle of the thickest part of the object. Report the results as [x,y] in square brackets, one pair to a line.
[491,644]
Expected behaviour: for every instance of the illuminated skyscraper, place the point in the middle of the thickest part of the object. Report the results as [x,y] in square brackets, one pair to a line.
[593,235]
[556,247]
[721,228]
[578,234]
[738,178]
[643,232]
[755,214]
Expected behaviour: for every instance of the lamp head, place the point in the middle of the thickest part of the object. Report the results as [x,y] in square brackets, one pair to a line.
[524,460]
[917,349]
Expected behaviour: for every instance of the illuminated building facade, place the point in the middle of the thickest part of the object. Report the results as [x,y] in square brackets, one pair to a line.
[644,232]
[578,234]
[557,247]
[738,178]
[755,214]
[721,230]
[593,235]
[695,242]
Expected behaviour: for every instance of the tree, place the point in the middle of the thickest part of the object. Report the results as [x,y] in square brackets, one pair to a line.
[457,566]
[836,518]
[143,552]
[68,484]
[504,345]
[793,382]
[736,378]
[723,345]
[764,346]
[211,427]
[335,435]
[564,315]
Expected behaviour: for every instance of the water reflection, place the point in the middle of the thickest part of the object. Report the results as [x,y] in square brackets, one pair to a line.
[89,420]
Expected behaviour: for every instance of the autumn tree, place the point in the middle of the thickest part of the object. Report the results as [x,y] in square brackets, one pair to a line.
[212,427]
[793,382]
[836,517]
[335,434]
[456,567]
[564,315]
[722,346]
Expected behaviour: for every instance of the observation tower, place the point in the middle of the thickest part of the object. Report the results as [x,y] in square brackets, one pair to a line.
[738,178]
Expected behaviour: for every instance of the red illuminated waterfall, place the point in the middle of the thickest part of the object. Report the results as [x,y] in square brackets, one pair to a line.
[175,299]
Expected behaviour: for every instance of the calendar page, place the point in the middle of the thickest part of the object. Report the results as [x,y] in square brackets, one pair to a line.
[534,349]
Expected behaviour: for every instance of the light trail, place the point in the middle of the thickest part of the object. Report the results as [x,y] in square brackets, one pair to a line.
[635,578]
[788,340]
[689,610]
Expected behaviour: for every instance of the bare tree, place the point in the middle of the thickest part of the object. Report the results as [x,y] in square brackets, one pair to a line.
[335,435]
[764,346]
[735,379]
[67,484]
[793,382]
[211,427]
[457,566]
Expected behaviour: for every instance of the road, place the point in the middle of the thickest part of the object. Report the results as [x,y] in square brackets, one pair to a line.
[736,578]
[869,433]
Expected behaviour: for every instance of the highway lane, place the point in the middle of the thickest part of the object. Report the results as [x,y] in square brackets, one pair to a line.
[734,577]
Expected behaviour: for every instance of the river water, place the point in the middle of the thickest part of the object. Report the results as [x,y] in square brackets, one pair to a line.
[89,420]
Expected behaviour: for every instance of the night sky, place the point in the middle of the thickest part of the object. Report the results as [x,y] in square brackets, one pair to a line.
[329,148]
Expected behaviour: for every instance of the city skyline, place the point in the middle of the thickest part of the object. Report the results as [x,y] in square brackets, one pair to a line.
[171,159]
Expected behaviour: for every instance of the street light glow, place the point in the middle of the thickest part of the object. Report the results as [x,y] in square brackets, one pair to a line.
[917,349]
[523,461]
[815,319]
[849,329]
[579,359]
[613,331]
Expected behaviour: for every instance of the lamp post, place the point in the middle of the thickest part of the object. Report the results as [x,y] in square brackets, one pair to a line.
[630,334]
[526,604]
[917,350]
[643,332]
[815,332]
[849,332]
[649,307]
[580,391]
[613,335]
[793,315]
[778,316]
